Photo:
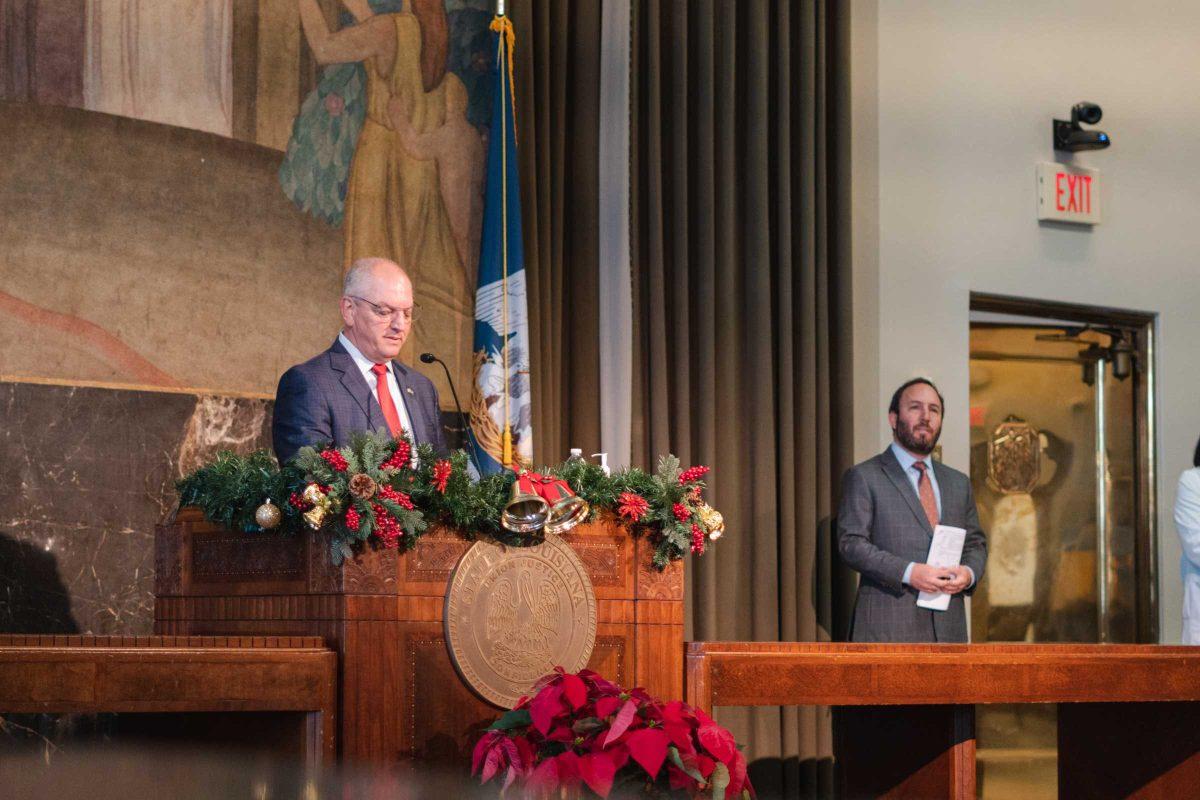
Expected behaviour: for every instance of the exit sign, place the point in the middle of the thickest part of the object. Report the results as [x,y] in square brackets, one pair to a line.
[1068,193]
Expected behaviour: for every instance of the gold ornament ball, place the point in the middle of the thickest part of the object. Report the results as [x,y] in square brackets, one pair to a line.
[267,515]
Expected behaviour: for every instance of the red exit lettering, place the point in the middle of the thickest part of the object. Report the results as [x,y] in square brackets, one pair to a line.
[1077,189]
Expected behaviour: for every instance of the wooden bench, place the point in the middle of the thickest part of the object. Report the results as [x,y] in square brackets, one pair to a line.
[1128,715]
[177,674]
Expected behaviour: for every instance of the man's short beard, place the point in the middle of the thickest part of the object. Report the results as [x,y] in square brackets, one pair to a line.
[909,442]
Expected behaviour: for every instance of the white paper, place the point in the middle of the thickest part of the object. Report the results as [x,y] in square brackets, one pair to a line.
[944,551]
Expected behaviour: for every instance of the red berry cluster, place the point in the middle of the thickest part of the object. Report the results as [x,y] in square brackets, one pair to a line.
[334,459]
[399,498]
[441,475]
[681,512]
[697,540]
[400,458]
[692,474]
[352,519]
[386,527]
[297,502]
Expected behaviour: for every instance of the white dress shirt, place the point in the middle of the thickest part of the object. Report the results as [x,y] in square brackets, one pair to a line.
[907,460]
[366,367]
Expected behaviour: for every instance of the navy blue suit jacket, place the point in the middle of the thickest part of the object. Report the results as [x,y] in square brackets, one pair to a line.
[327,399]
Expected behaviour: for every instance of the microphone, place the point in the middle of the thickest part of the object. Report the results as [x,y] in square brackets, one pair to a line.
[429,358]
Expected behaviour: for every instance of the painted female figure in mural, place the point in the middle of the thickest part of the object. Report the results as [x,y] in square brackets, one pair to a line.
[415,182]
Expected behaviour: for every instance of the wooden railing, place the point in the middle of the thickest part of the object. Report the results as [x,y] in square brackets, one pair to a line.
[1128,715]
[177,674]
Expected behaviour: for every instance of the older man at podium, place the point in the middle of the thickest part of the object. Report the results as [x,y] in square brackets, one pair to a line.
[356,385]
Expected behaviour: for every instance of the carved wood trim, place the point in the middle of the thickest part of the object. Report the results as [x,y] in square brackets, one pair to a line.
[435,556]
[653,584]
[229,556]
[371,572]
[604,557]
[323,575]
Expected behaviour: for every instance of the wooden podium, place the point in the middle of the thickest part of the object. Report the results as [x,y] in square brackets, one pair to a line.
[399,694]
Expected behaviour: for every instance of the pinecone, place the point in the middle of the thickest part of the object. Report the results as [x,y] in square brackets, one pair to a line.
[362,487]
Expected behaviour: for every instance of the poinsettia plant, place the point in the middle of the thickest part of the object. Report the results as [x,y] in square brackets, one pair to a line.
[581,734]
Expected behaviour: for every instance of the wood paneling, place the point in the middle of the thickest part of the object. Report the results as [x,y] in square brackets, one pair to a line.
[752,673]
[175,674]
[382,611]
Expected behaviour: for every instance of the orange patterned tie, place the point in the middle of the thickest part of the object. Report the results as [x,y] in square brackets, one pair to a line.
[385,399]
[925,490]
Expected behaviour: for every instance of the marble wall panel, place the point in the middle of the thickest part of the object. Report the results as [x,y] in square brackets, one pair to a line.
[85,473]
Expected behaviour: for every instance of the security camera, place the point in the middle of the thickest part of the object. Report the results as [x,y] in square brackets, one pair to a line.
[1068,135]
[1089,113]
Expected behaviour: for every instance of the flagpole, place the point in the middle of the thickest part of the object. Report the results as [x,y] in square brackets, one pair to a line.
[506,442]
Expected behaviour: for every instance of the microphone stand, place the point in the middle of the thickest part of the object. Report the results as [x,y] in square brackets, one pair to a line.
[429,358]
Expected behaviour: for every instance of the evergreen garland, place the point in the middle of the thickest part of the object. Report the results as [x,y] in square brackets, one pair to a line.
[394,503]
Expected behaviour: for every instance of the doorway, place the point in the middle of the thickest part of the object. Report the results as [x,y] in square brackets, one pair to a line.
[1062,466]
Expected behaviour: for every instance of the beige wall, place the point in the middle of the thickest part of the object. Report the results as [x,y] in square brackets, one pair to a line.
[960,97]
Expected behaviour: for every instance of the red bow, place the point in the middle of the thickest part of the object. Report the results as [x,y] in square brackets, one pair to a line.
[547,487]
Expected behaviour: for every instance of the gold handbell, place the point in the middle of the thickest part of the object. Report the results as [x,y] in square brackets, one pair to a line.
[567,509]
[712,521]
[526,511]
[315,516]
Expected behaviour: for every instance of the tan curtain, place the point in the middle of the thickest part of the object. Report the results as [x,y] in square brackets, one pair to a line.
[558,118]
[164,61]
[742,315]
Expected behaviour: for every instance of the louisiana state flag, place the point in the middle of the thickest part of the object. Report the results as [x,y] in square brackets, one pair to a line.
[502,435]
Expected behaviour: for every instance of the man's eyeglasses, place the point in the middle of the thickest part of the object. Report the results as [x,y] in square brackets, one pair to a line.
[387,313]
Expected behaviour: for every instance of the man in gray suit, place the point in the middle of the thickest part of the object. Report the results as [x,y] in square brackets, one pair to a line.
[355,385]
[890,505]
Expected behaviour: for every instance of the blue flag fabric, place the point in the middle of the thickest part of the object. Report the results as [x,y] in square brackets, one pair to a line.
[501,417]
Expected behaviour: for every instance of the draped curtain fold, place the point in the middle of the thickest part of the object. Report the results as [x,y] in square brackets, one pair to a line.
[558,118]
[741,309]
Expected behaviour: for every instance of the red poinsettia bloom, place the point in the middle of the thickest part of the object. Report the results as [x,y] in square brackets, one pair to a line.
[441,475]
[609,734]
[632,506]
[334,459]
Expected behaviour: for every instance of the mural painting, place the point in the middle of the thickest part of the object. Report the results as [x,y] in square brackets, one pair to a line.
[182,183]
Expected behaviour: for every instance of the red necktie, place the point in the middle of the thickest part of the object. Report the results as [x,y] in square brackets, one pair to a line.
[925,490]
[385,399]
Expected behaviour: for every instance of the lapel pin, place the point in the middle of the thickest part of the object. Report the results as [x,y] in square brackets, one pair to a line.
[408,389]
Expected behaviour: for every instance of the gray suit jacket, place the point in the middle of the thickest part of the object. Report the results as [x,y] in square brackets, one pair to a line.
[881,529]
[327,399]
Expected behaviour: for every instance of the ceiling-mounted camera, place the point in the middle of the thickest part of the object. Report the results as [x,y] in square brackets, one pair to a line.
[1068,135]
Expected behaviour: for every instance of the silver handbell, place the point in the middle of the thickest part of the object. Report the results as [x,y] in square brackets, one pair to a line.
[567,509]
[525,511]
